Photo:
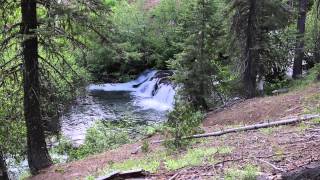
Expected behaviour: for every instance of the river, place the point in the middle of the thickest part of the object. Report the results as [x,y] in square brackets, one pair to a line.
[146,98]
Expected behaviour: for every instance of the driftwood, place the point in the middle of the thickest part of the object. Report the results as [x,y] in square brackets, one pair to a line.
[118,175]
[251,127]
[311,171]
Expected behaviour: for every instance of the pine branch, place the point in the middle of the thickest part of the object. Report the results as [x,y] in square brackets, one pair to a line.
[51,50]
[56,70]
[9,61]
[6,41]
[9,29]
[72,39]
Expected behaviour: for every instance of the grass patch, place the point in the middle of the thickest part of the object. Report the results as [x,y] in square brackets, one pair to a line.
[279,152]
[268,131]
[316,121]
[312,104]
[152,162]
[249,172]
[193,157]
[149,164]
[303,127]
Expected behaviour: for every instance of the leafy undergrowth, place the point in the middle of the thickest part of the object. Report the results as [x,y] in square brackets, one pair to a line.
[304,82]
[171,162]
[249,172]
[105,135]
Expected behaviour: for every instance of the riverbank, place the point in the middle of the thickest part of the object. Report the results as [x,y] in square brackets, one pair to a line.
[285,147]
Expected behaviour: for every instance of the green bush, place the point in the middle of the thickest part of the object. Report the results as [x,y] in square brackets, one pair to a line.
[99,138]
[182,121]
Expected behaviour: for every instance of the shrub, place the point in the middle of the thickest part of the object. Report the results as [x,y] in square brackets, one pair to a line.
[182,121]
[98,139]
[145,147]
[311,77]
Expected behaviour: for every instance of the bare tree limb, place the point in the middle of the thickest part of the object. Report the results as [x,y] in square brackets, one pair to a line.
[251,127]
[270,164]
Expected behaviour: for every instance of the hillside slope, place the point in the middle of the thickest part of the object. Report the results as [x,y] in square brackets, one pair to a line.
[271,151]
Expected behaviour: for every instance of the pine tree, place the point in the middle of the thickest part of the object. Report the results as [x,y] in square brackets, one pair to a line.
[37,53]
[254,23]
[316,35]
[38,156]
[195,66]
[300,44]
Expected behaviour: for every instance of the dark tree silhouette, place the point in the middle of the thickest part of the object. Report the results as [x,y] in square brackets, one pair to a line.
[3,168]
[301,27]
[38,156]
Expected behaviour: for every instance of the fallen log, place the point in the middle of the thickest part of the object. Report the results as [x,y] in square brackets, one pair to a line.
[310,171]
[251,127]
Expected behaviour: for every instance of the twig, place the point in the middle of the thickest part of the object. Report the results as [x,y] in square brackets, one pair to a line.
[174,176]
[270,164]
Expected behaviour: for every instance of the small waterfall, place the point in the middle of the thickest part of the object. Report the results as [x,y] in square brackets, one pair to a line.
[162,100]
[128,86]
[149,97]
[149,93]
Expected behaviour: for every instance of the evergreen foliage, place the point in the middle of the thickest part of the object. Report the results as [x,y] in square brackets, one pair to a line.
[197,65]
[257,27]
[218,49]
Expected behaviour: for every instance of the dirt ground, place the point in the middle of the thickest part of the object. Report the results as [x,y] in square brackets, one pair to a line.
[262,109]
[273,150]
[281,150]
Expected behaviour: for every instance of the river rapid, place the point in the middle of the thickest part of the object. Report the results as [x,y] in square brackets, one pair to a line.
[147,99]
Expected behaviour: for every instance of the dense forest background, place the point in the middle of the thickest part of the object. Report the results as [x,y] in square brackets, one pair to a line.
[217,49]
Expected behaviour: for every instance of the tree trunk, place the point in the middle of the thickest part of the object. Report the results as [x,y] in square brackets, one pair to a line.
[299,51]
[3,168]
[250,72]
[38,156]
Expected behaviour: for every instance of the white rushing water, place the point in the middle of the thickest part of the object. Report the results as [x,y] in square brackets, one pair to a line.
[147,96]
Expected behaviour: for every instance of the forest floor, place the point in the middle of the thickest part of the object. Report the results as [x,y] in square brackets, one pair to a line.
[271,150]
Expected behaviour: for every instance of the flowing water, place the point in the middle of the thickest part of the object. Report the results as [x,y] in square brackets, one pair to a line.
[145,99]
